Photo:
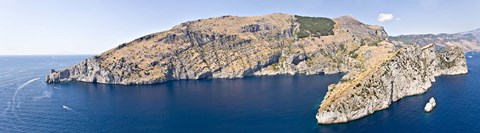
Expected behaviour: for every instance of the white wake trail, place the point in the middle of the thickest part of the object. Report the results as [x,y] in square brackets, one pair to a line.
[21,87]
[11,104]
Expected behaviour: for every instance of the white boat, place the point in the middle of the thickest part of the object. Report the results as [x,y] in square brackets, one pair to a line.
[66,107]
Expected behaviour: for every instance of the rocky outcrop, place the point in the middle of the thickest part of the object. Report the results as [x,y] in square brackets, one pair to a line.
[233,47]
[430,105]
[409,71]
[87,71]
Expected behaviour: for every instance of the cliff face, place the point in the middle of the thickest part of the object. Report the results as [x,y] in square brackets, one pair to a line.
[234,47]
[409,71]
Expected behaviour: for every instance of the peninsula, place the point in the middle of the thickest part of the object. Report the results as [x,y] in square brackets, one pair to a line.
[378,71]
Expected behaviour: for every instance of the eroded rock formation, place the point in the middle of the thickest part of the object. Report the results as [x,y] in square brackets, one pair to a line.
[232,47]
[430,105]
[378,73]
[409,71]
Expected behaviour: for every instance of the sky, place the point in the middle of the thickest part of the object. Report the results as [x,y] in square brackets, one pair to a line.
[72,27]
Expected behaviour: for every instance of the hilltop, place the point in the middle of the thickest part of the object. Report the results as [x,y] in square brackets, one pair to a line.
[378,72]
[234,47]
[468,41]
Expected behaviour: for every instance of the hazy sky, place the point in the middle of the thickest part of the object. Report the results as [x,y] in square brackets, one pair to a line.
[91,27]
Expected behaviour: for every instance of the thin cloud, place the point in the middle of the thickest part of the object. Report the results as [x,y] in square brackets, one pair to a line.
[384,17]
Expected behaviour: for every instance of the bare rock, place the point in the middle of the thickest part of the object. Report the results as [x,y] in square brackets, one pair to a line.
[378,72]
[229,47]
[409,71]
[430,105]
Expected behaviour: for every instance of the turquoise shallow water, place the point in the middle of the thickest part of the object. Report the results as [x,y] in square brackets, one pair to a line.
[253,104]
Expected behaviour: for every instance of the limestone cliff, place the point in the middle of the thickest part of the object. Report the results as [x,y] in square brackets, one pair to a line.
[234,47]
[409,71]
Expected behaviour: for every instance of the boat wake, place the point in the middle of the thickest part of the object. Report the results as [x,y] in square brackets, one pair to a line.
[14,97]
[13,101]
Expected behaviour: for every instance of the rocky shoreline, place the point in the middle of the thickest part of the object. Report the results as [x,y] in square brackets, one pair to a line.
[232,47]
[378,72]
[408,72]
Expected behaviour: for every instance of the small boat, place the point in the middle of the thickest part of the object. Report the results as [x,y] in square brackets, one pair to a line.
[470,56]
[66,107]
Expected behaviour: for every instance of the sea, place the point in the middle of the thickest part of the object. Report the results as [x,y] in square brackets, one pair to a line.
[257,104]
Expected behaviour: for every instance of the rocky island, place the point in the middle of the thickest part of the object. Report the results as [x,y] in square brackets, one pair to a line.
[430,105]
[378,71]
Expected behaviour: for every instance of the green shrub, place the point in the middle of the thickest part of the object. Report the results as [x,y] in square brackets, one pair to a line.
[314,26]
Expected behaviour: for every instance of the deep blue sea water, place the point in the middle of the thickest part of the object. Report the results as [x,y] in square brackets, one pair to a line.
[253,104]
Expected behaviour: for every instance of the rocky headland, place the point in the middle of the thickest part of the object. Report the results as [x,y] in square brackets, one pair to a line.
[378,71]
[234,47]
[409,71]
